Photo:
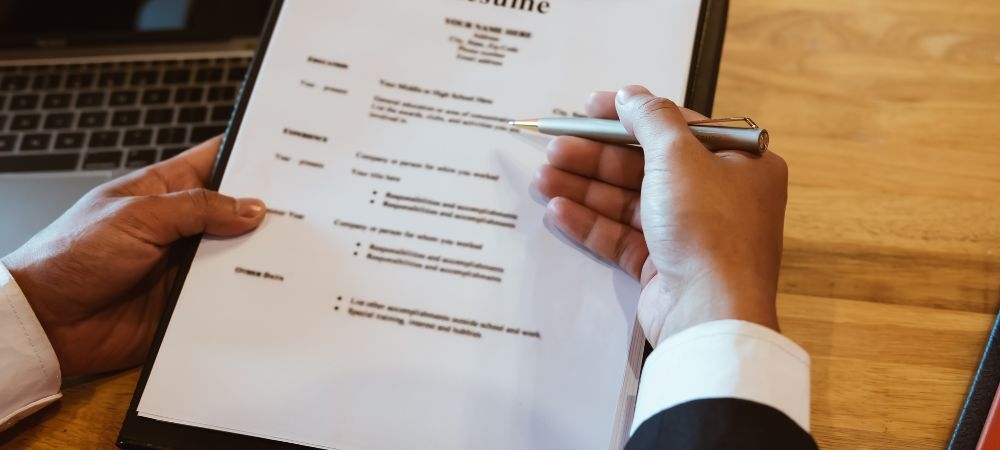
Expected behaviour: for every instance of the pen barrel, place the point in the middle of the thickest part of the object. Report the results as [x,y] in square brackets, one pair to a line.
[715,138]
[610,131]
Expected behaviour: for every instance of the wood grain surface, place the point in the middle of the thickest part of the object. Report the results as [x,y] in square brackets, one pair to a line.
[888,113]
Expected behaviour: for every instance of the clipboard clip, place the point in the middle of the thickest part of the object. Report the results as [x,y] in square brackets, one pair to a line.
[714,136]
[750,123]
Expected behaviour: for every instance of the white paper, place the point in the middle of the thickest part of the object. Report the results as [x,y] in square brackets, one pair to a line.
[288,334]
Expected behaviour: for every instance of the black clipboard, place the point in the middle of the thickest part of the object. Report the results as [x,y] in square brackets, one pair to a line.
[144,433]
[970,424]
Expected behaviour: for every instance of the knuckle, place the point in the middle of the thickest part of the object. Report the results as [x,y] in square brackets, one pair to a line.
[201,199]
[621,245]
[135,213]
[135,205]
[543,180]
[104,191]
[629,210]
[653,105]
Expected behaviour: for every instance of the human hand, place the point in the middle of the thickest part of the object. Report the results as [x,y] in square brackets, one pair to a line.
[97,278]
[701,231]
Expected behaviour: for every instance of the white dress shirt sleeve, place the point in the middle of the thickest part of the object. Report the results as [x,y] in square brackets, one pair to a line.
[29,371]
[726,359]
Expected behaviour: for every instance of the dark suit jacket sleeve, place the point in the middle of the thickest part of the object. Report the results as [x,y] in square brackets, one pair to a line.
[720,423]
[725,384]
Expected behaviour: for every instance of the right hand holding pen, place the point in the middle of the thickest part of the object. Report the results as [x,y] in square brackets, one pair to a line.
[701,231]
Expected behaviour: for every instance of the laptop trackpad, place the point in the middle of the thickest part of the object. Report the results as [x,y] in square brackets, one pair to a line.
[29,203]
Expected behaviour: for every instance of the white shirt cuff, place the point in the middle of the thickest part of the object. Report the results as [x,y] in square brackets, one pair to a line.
[726,359]
[29,371]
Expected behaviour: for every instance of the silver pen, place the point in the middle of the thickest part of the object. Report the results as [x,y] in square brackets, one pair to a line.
[715,137]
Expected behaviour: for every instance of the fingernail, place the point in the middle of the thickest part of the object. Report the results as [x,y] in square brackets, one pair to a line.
[249,208]
[627,92]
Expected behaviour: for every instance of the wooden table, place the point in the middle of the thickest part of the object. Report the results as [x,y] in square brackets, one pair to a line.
[888,113]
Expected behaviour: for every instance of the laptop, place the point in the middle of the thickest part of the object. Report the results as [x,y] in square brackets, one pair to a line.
[92,90]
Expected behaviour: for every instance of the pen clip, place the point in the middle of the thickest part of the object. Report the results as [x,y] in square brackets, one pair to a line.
[745,120]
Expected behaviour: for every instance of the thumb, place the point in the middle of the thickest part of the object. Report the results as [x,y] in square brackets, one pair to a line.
[659,125]
[187,213]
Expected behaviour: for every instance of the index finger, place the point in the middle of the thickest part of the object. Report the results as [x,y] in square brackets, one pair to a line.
[198,161]
[187,170]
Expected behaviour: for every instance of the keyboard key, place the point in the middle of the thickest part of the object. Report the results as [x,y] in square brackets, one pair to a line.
[193,114]
[111,79]
[3,101]
[79,80]
[168,153]
[25,122]
[140,158]
[155,96]
[237,74]
[23,102]
[221,93]
[14,83]
[3,120]
[123,98]
[67,141]
[7,142]
[103,139]
[39,162]
[177,76]
[159,116]
[145,77]
[57,101]
[138,137]
[208,75]
[222,113]
[102,160]
[58,121]
[126,118]
[48,81]
[188,95]
[94,119]
[35,142]
[171,136]
[201,134]
[90,100]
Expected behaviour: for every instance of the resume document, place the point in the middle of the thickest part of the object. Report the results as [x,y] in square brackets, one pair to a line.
[403,291]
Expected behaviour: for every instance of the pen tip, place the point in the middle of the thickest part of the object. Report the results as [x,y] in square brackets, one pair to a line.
[525,123]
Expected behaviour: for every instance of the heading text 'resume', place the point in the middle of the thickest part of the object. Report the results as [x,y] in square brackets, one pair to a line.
[541,7]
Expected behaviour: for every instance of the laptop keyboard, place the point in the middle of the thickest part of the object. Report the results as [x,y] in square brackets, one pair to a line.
[113,115]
